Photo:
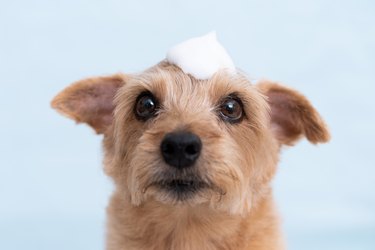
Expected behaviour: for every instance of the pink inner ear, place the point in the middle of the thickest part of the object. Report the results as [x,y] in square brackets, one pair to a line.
[90,101]
[284,116]
[99,105]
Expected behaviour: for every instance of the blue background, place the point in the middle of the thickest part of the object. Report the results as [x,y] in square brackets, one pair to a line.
[52,189]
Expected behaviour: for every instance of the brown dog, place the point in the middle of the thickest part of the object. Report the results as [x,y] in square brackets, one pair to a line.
[192,160]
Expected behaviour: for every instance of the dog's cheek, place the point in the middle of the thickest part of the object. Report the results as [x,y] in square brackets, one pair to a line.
[255,153]
[222,164]
[144,166]
[119,143]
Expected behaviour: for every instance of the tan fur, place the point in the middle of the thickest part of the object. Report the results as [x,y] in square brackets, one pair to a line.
[238,161]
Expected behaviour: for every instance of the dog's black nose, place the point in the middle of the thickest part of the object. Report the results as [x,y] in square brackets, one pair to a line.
[181,149]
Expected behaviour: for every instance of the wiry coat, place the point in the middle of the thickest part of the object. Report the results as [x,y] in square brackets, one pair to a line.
[235,209]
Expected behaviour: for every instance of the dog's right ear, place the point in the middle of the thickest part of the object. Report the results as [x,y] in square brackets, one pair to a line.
[90,101]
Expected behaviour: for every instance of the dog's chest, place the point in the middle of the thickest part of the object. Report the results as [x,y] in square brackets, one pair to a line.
[162,230]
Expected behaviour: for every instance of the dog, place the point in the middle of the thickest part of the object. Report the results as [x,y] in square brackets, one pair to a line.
[191,159]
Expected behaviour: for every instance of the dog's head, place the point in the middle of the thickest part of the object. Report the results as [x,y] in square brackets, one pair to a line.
[171,138]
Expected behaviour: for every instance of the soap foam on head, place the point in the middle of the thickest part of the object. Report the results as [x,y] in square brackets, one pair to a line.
[201,57]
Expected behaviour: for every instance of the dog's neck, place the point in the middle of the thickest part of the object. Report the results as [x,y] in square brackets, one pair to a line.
[154,225]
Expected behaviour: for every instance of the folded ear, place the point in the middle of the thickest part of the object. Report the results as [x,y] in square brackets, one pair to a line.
[90,101]
[292,115]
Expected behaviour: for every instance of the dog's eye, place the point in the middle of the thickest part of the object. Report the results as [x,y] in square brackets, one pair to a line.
[231,110]
[145,106]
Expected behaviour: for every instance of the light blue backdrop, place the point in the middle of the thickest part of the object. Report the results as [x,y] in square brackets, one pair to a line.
[52,189]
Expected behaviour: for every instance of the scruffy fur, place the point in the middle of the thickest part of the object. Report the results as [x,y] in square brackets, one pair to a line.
[237,162]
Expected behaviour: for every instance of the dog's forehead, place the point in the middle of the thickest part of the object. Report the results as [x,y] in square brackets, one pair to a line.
[171,85]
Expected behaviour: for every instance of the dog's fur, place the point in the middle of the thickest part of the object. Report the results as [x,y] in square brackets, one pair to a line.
[235,210]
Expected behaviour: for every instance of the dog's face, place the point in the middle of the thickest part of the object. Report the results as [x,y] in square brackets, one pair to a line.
[180,140]
[171,138]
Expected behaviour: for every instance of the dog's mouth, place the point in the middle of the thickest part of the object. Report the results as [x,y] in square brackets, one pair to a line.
[182,188]
[180,185]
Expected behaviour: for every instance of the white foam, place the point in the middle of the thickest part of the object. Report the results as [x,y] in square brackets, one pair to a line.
[201,56]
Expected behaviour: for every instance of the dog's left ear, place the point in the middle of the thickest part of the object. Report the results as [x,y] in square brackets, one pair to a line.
[90,101]
[292,115]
